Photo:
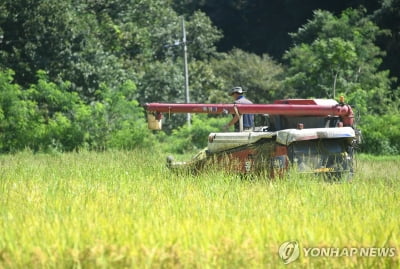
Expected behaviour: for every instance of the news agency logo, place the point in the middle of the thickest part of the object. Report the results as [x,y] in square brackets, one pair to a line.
[289,251]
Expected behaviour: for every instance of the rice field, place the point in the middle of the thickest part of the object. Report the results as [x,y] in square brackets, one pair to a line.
[126,210]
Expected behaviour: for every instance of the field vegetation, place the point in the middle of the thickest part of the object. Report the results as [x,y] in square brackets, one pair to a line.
[124,209]
[93,191]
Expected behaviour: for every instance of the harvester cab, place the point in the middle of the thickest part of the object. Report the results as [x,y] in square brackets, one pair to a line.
[310,135]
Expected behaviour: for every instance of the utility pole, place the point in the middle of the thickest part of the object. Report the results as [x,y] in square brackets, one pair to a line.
[187,97]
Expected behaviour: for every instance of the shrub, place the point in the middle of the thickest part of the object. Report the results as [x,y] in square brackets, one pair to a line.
[195,137]
[381,134]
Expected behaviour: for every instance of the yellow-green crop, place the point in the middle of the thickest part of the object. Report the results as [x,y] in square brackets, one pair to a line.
[126,210]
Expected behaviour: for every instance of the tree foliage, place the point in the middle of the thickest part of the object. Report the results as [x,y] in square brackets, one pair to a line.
[260,75]
[381,134]
[186,139]
[388,17]
[336,55]
[90,52]
[73,74]
[47,116]
[263,26]
[17,115]
[95,42]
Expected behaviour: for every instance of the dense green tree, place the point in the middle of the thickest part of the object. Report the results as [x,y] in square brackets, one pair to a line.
[94,42]
[74,73]
[56,37]
[100,48]
[49,116]
[162,82]
[381,134]
[55,124]
[17,116]
[336,55]
[260,75]
[263,26]
[126,126]
[388,17]
[205,84]
[36,35]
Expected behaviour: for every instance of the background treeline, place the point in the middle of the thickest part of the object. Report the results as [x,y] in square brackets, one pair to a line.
[74,73]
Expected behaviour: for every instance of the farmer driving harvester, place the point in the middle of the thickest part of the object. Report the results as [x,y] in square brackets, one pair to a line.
[248,119]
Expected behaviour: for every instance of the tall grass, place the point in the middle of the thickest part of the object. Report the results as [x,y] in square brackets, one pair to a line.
[125,209]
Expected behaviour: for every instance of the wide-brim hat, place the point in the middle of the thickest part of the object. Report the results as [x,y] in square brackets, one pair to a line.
[236,90]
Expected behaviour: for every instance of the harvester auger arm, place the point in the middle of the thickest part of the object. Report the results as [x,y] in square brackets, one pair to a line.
[342,110]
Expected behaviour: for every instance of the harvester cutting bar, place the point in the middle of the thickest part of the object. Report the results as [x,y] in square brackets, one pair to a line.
[272,109]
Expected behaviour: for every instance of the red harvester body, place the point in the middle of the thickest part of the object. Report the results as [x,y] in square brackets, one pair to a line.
[312,135]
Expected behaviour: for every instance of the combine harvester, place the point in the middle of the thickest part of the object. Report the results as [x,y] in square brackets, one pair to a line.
[310,135]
